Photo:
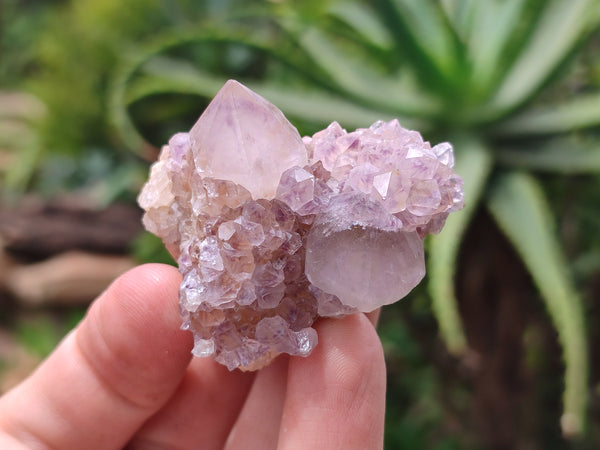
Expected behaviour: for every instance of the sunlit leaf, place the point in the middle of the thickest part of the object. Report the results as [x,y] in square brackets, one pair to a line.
[569,115]
[423,33]
[361,81]
[493,25]
[568,156]
[362,19]
[461,14]
[518,205]
[562,25]
[473,164]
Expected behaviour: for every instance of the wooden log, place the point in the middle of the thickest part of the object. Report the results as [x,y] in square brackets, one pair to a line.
[35,230]
[66,279]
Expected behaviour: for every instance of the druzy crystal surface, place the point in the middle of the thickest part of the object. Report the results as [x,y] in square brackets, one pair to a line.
[271,230]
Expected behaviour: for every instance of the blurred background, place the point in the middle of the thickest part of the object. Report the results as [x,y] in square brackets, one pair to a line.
[499,347]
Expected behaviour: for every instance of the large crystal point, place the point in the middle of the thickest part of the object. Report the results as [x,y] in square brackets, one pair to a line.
[272,231]
[358,252]
[365,267]
[243,138]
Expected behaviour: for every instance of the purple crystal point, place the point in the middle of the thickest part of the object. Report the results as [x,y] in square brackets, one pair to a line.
[243,138]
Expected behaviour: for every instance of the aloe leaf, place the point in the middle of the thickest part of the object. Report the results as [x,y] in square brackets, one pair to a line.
[162,75]
[132,61]
[518,205]
[425,21]
[312,106]
[360,80]
[487,29]
[422,29]
[580,112]
[463,14]
[562,25]
[321,107]
[364,21]
[473,164]
[566,156]
[493,25]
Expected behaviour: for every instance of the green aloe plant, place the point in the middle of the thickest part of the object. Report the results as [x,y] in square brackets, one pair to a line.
[474,72]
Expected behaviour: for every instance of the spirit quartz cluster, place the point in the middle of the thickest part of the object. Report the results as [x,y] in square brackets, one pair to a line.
[271,230]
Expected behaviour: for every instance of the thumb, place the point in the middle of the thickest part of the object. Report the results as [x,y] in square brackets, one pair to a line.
[118,367]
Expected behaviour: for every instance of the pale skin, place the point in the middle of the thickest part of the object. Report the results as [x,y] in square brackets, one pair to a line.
[124,378]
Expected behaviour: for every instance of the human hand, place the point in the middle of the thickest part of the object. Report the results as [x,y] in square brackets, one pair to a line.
[123,378]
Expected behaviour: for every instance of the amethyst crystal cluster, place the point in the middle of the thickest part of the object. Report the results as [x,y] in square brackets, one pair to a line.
[272,231]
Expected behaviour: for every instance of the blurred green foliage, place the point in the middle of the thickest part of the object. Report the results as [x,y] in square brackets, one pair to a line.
[65,54]
[415,417]
[148,248]
[39,332]
[38,335]
[514,85]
